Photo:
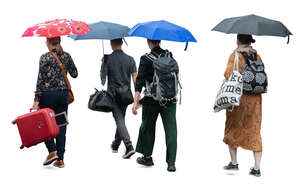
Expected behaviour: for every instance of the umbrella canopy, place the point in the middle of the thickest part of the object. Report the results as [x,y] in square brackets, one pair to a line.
[162,30]
[252,25]
[104,30]
[56,28]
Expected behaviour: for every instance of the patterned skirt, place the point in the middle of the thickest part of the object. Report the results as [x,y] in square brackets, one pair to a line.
[243,124]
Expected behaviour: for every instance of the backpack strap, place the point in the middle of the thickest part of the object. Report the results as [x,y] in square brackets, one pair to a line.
[150,56]
[247,57]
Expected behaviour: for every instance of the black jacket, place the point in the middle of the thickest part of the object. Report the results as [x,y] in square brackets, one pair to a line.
[146,73]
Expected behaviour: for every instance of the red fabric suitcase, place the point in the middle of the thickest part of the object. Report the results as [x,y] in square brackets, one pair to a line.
[36,127]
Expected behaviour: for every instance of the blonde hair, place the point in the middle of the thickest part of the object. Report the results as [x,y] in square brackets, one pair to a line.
[55,42]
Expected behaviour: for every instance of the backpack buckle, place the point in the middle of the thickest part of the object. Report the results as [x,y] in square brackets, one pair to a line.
[163,102]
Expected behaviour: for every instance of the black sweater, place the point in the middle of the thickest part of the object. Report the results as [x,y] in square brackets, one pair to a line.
[146,73]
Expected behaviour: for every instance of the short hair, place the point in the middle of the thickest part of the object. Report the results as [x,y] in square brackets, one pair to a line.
[245,39]
[155,42]
[116,42]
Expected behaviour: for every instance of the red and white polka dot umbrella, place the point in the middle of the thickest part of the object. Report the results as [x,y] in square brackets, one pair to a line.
[56,28]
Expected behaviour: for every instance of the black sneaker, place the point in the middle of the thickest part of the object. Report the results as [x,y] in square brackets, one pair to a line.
[230,166]
[146,161]
[171,168]
[114,148]
[129,152]
[254,172]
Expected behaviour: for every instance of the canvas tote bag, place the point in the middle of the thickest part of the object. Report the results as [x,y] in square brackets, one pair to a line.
[231,90]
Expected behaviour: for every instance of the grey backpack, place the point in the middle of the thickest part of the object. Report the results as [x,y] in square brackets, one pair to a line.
[165,85]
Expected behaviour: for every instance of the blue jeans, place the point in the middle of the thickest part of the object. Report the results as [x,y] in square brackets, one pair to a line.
[57,101]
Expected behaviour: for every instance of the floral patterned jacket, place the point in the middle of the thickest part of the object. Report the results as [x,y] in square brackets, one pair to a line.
[50,77]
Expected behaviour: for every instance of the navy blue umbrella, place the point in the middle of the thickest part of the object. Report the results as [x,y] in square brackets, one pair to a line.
[162,30]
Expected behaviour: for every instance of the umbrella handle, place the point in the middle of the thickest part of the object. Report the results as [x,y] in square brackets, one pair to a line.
[186,46]
[124,41]
[102,47]
[288,41]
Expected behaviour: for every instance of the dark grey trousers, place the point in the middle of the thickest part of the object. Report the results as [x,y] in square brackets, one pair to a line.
[122,134]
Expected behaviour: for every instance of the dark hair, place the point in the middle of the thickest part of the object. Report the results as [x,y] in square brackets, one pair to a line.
[55,41]
[245,39]
[155,42]
[116,42]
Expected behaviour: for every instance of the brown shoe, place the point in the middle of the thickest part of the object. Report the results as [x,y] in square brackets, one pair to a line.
[50,158]
[59,164]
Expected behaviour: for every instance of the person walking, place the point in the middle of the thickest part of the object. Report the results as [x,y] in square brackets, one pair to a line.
[52,92]
[243,124]
[151,109]
[119,68]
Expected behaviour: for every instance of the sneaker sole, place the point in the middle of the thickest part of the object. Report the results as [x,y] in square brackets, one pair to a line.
[171,170]
[232,169]
[50,161]
[148,165]
[128,155]
[59,166]
[256,175]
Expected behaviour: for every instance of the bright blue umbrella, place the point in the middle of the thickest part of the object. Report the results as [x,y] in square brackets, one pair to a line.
[162,30]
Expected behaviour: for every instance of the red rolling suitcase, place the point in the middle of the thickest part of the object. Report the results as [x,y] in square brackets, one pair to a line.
[36,127]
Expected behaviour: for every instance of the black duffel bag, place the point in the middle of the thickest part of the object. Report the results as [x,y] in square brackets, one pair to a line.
[124,95]
[101,101]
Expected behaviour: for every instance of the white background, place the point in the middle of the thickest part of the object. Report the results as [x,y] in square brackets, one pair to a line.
[201,152]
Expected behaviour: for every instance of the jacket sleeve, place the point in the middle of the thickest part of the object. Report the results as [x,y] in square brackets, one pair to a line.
[72,68]
[103,71]
[133,66]
[40,79]
[141,77]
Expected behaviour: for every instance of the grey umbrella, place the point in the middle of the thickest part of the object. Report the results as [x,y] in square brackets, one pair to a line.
[105,31]
[253,25]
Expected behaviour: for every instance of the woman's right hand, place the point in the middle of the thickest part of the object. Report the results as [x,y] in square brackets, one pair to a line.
[35,105]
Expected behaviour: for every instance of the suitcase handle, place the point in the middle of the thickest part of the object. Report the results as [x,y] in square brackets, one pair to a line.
[31,109]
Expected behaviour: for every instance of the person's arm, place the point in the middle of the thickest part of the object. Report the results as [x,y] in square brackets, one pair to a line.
[133,71]
[103,71]
[142,74]
[72,68]
[134,76]
[139,84]
[136,104]
[39,83]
